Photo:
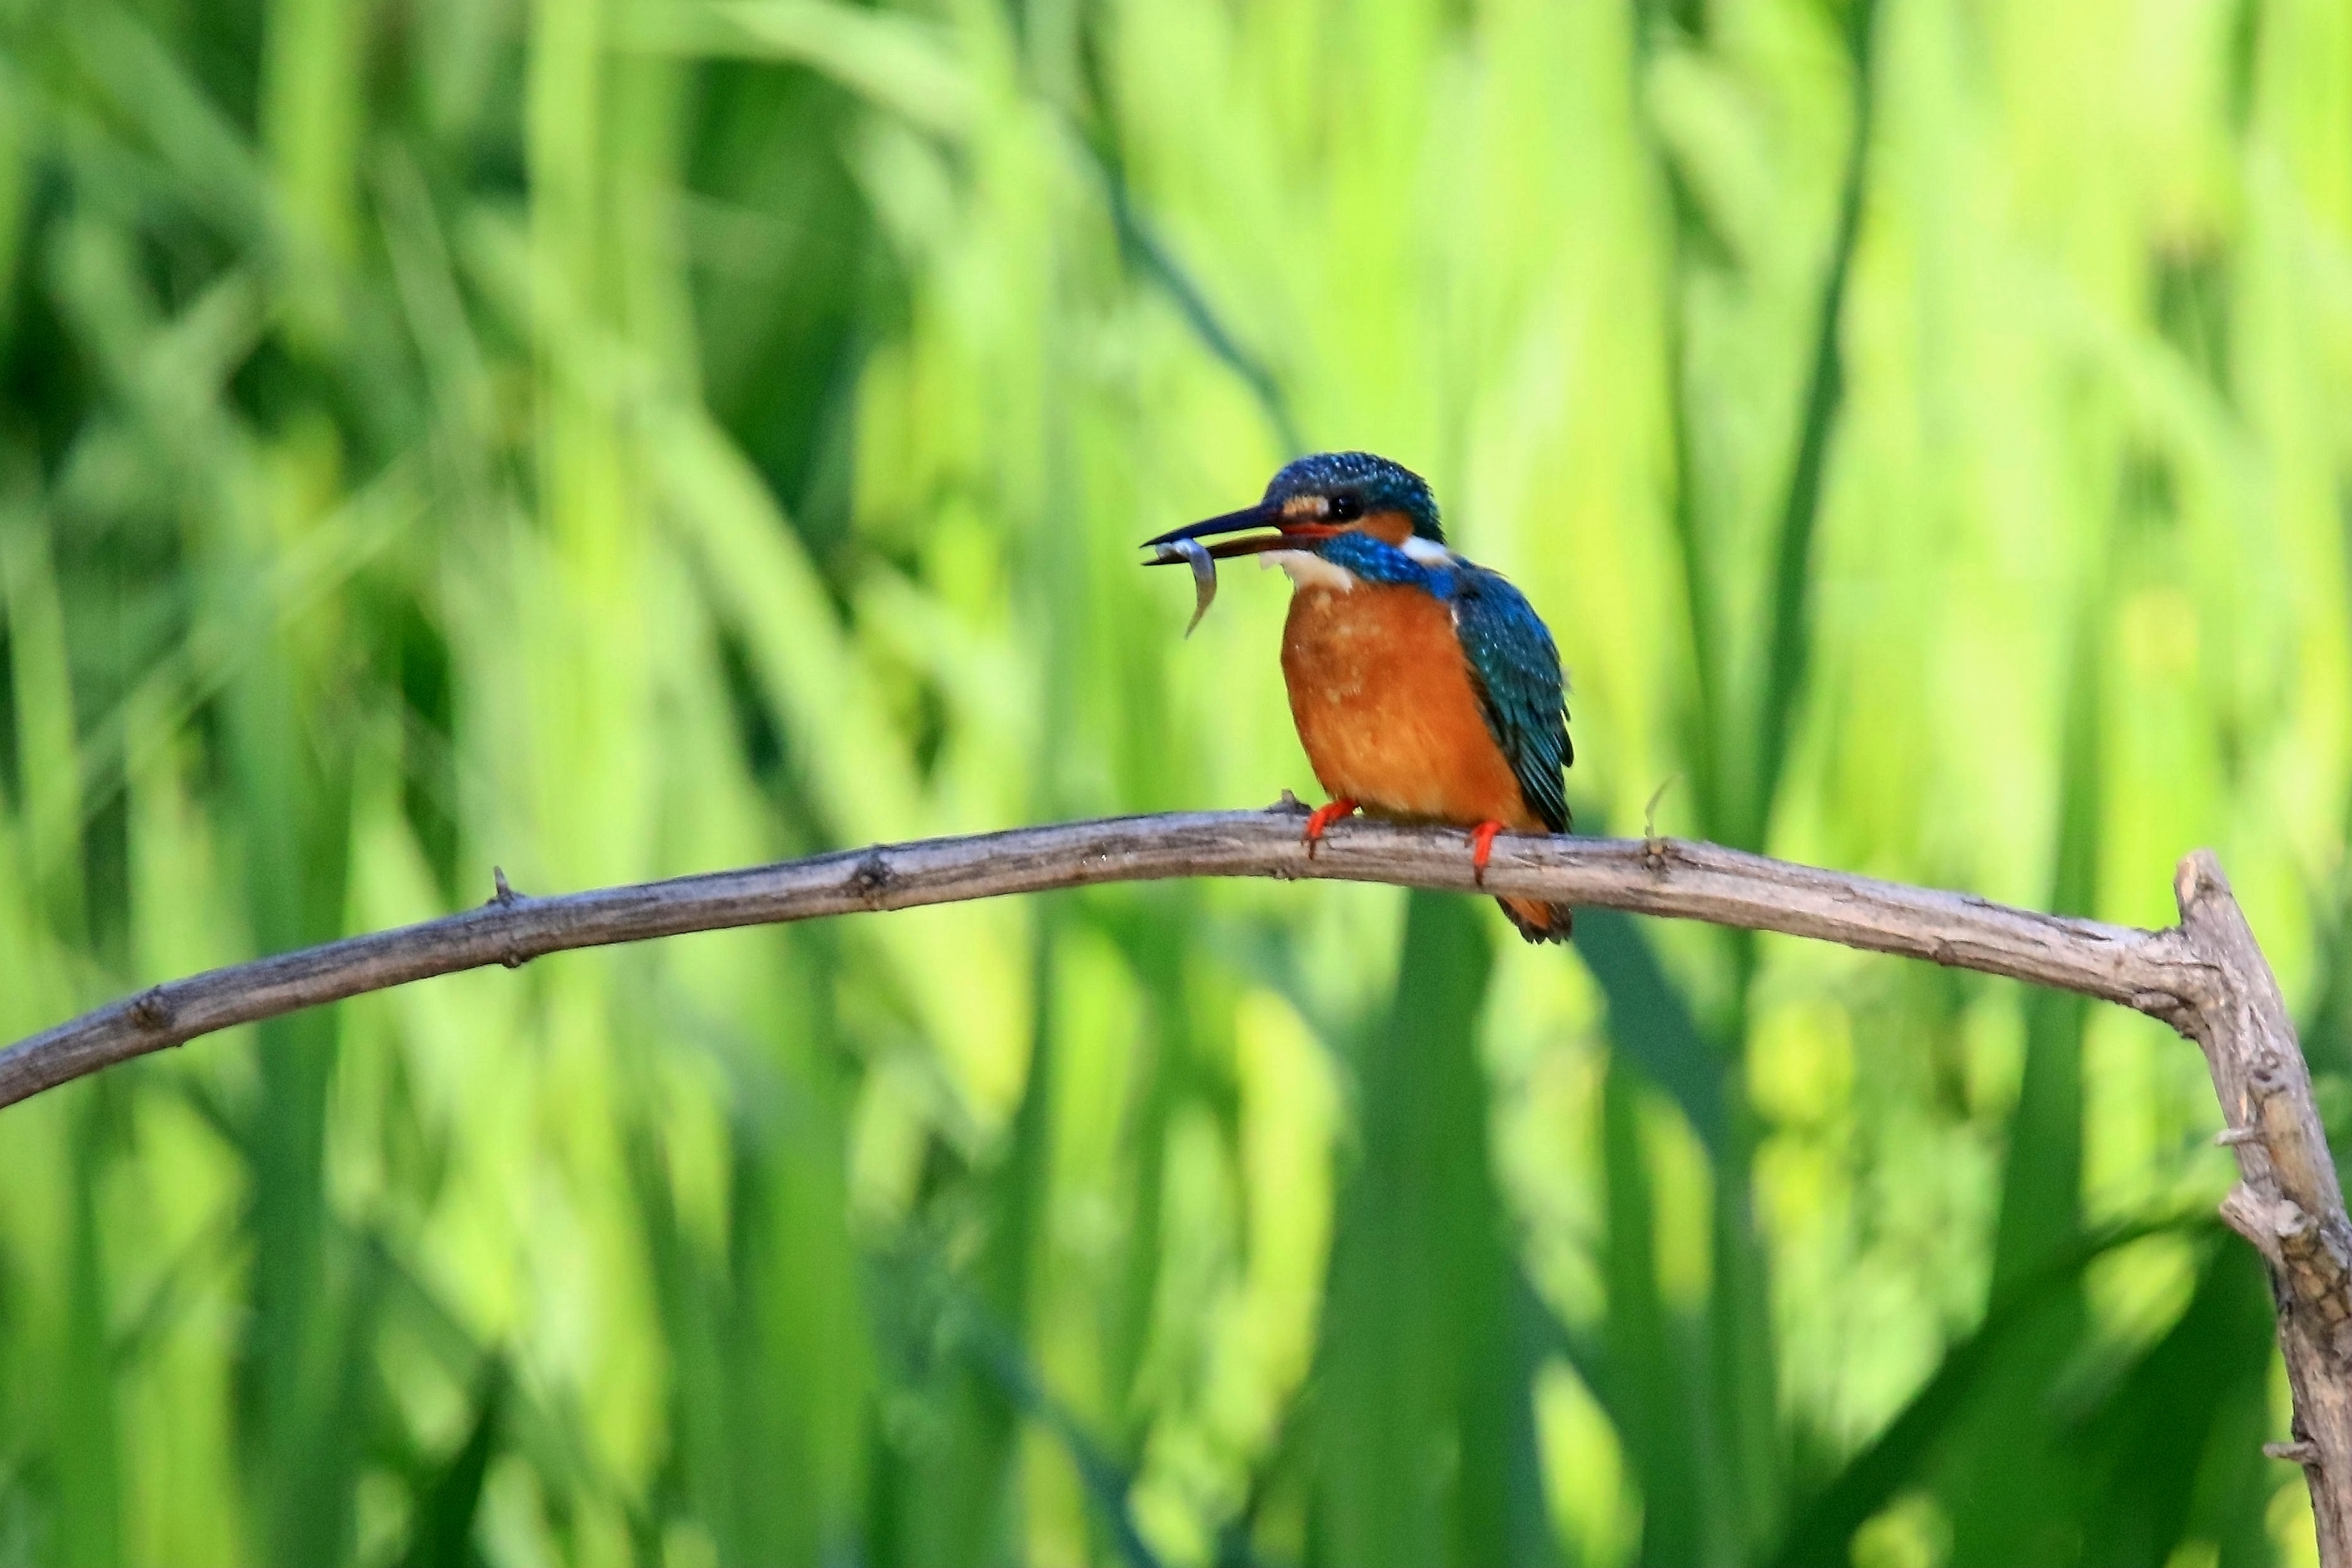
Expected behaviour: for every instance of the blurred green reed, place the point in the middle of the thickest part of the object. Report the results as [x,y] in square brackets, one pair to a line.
[616,439]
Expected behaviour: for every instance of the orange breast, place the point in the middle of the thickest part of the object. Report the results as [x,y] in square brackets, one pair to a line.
[1382,694]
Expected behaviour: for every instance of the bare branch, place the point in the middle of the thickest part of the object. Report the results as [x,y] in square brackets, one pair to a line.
[2288,1202]
[1663,877]
[2206,977]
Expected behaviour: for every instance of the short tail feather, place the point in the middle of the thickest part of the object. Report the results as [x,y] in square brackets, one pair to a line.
[1539,922]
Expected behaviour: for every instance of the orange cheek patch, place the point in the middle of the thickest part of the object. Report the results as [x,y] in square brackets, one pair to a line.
[1388,527]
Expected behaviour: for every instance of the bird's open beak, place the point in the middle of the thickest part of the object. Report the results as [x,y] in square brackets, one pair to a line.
[1287,535]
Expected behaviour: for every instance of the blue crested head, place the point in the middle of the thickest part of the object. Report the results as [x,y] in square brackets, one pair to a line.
[1351,485]
[1374,518]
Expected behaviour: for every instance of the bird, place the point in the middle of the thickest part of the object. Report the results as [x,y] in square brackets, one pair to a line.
[1425,687]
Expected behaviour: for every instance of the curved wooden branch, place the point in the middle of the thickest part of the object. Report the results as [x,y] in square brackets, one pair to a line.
[1658,877]
[2206,977]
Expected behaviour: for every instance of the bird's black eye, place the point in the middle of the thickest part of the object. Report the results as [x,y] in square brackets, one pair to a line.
[1345,509]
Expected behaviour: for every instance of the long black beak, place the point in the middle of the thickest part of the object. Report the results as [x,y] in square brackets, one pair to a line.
[1286,535]
[1231,522]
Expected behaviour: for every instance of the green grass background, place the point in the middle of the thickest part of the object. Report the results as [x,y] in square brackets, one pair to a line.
[609,439]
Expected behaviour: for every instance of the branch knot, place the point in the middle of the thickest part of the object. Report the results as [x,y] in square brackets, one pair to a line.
[872,878]
[152,1009]
[2312,1256]
[506,898]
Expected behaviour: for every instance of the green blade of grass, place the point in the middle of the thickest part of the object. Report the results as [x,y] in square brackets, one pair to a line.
[1788,643]
[1661,1413]
[89,1442]
[1652,1025]
[441,1530]
[1421,1349]
[2177,1442]
[1900,1455]
[2010,1490]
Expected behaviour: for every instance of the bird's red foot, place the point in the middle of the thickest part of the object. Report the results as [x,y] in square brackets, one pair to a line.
[1482,848]
[1324,816]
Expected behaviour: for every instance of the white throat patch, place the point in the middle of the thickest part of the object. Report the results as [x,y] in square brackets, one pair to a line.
[1428,552]
[1309,570]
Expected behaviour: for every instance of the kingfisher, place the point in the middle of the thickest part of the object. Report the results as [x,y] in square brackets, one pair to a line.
[1425,688]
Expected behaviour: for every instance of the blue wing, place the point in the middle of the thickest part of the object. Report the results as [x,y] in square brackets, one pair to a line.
[1519,686]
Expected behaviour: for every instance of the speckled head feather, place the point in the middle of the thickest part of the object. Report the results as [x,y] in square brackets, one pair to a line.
[1372,483]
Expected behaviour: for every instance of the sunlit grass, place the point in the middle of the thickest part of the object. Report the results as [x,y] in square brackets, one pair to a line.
[611,440]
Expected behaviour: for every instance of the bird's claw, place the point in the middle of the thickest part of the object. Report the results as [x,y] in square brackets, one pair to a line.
[1322,818]
[1482,848]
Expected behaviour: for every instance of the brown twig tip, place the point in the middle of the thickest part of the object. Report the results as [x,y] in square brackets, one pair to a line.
[2199,876]
[1650,810]
[510,953]
[2306,1454]
[1655,849]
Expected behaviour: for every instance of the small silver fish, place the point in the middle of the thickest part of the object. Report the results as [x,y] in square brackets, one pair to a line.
[1204,575]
